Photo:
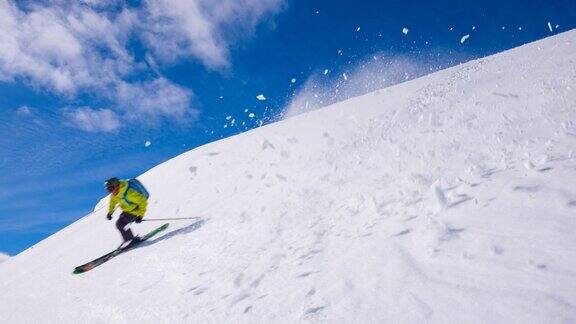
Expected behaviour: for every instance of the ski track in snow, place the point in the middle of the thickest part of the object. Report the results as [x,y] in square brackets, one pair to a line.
[446,199]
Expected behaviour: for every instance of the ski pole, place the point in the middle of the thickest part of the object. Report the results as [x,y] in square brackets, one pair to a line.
[165,219]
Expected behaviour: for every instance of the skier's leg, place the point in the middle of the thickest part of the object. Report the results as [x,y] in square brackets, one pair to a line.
[124,220]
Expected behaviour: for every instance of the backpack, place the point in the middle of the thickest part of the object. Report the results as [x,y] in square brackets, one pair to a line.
[137,186]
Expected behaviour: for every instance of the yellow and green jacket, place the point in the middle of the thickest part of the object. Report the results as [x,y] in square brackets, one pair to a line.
[129,199]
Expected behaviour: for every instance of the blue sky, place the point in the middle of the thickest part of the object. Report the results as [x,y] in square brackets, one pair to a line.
[85,84]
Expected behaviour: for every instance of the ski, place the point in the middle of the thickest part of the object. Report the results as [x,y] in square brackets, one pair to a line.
[96,262]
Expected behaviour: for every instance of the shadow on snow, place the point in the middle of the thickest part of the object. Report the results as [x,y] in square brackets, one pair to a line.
[181,231]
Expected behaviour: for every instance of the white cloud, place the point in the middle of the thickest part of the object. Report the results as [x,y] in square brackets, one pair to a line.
[24,111]
[74,47]
[200,28]
[156,98]
[4,257]
[92,120]
[179,28]
[30,114]
[62,49]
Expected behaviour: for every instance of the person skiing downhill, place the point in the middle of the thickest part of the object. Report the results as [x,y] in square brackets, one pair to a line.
[133,200]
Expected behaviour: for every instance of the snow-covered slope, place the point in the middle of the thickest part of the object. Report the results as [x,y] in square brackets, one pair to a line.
[4,257]
[446,199]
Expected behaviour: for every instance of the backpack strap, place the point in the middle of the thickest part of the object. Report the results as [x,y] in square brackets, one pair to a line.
[136,185]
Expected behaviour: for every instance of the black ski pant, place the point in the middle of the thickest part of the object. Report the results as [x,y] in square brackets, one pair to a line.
[121,223]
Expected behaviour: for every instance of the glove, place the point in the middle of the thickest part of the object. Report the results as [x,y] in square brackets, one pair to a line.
[138,219]
[109,216]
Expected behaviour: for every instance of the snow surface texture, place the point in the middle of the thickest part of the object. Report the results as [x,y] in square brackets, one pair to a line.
[446,199]
[4,257]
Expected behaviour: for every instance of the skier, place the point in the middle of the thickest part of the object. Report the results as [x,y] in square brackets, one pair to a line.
[133,199]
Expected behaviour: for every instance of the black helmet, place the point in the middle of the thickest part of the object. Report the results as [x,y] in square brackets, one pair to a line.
[111,184]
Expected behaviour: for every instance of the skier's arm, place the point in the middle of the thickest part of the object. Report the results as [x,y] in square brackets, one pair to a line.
[112,205]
